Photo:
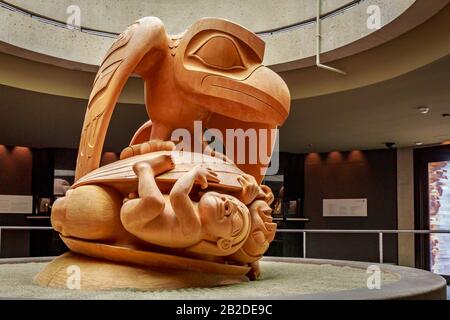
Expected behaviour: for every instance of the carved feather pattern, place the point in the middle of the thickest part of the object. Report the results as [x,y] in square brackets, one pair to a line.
[99,110]
[113,58]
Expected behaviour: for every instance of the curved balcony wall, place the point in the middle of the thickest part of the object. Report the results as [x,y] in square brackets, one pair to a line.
[344,33]
[287,48]
[114,16]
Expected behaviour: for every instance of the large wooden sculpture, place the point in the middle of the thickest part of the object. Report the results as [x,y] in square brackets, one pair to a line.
[160,217]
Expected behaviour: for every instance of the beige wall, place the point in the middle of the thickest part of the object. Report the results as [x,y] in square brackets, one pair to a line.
[405,206]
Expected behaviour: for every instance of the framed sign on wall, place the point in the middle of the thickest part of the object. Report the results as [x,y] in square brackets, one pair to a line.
[16,204]
[345,207]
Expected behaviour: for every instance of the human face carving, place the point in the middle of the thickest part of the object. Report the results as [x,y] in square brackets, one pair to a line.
[262,229]
[222,216]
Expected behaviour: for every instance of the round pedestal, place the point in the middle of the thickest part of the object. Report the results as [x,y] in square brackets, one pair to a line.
[75,271]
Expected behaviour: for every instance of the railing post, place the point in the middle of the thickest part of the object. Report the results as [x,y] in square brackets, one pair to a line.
[304,244]
[380,246]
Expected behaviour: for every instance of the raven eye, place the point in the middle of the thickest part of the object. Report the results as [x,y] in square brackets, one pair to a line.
[220,52]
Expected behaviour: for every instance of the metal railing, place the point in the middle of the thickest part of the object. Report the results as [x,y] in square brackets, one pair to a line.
[110,34]
[303,231]
[379,232]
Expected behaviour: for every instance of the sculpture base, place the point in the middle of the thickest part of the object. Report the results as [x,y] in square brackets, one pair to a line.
[96,274]
[161,261]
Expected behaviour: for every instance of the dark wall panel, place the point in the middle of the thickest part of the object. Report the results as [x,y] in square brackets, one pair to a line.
[15,179]
[15,170]
[65,159]
[293,176]
[336,175]
[43,162]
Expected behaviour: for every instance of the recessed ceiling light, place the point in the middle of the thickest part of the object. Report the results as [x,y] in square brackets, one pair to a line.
[419,143]
[424,110]
[390,145]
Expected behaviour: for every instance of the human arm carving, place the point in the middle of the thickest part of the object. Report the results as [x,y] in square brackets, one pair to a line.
[137,212]
[180,201]
[250,189]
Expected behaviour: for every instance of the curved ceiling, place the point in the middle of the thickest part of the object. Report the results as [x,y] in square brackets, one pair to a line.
[417,48]
[358,119]
[366,118]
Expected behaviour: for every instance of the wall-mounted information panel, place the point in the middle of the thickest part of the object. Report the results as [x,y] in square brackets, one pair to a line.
[345,207]
[16,204]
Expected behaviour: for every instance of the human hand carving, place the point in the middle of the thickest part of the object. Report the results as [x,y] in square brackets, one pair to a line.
[268,194]
[203,174]
[250,189]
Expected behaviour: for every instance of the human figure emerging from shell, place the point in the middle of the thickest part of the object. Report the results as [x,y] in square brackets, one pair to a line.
[178,222]
[216,225]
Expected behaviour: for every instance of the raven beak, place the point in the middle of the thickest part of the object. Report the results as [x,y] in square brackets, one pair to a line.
[262,97]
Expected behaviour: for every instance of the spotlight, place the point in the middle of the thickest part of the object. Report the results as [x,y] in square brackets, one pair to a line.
[390,145]
[419,143]
[424,110]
